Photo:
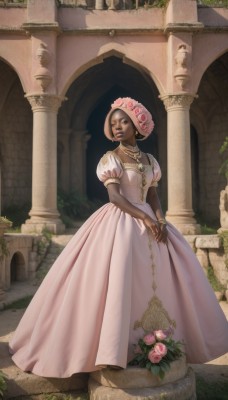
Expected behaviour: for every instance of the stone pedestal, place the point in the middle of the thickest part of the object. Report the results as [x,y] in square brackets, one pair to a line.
[44,213]
[137,383]
[180,211]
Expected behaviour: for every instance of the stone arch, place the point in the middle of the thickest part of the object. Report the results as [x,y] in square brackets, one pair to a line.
[214,50]
[209,116]
[15,139]
[89,99]
[17,268]
[16,71]
[76,73]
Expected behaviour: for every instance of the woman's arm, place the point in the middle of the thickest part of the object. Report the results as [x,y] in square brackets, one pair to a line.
[121,202]
[154,202]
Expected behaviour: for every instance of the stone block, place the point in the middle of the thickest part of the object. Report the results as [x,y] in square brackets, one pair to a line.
[191,239]
[182,389]
[208,242]
[202,255]
[217,261]
[135,378]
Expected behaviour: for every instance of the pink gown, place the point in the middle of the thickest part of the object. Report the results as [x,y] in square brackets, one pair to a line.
[112,283]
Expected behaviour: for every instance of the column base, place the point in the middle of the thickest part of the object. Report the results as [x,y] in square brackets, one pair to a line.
[184,222]
[55,226]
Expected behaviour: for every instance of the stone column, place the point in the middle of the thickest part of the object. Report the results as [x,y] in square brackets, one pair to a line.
[44,213]
[180,211]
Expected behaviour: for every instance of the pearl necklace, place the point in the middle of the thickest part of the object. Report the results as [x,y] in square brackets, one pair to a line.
[134,153]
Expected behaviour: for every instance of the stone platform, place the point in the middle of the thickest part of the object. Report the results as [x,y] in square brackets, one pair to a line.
[139,384]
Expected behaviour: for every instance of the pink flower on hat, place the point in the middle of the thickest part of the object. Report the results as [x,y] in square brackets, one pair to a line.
[140,116]
[137,110]
[118,102]
[130,104]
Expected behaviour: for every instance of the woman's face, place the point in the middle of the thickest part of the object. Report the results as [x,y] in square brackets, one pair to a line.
[122,127]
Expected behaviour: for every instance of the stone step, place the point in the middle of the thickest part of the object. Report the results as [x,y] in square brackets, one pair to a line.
[20,383]
[181,389]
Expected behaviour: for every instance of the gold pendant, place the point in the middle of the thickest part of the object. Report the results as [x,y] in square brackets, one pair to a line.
[141,167]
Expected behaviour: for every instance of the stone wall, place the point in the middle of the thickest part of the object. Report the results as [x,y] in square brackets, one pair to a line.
[210,252]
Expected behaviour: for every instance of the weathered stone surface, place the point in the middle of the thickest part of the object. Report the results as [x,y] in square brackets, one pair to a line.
[182,389]
[133,377]
[202,256]
[191,239]
[208,242]
[217,260]
[20,383]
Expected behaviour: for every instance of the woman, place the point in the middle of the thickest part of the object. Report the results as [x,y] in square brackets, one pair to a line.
[124,273]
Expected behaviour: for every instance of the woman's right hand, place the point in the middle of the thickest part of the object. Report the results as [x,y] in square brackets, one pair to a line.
[158,230]
[153,226]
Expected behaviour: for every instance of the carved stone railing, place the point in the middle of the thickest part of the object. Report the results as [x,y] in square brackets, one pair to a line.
[114,4]
[13,3]
[213,3]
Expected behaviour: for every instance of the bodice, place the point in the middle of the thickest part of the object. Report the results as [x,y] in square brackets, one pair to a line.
[134,184]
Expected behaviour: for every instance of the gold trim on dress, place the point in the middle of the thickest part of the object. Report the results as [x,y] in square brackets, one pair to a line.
[155,317]
[111,180]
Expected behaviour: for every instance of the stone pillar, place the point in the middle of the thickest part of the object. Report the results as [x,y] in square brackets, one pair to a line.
[44,213]
[180,211]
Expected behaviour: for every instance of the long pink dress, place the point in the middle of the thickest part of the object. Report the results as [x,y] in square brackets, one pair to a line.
[112,283]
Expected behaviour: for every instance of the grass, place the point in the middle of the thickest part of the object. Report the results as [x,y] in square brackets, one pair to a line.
[216,285]
[211,391]
[19,304]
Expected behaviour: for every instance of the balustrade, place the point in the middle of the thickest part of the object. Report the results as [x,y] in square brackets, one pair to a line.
[115,4]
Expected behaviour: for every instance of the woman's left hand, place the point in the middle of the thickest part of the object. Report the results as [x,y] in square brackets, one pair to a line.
[162,234]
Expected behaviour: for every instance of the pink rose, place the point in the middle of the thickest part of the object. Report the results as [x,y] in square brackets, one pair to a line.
[160,349]
[142,117]
[160,335]
[143,126]
[149,339]
[130,105]
[137,110]
[118,102]
[154,357]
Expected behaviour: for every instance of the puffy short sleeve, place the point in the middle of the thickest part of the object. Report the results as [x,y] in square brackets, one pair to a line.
[109,169]
[156,171]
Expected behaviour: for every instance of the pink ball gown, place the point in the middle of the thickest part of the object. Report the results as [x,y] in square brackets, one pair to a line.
[112,283]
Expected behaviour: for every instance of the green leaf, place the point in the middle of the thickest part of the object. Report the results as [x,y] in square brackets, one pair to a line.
[161,374]
[155,369]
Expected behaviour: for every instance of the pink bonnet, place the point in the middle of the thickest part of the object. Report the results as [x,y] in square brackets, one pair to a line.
[140,116]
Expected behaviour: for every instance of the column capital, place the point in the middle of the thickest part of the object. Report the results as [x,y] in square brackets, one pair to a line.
[42,102]
[178,100]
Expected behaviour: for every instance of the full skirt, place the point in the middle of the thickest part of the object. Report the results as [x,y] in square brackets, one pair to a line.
[107,285]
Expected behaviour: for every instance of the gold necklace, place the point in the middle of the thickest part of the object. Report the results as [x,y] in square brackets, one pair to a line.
[134,153]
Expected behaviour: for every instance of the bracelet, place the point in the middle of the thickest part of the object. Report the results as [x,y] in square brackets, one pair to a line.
[162,221]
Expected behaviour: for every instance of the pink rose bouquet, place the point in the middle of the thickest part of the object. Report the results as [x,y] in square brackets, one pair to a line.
[156,350]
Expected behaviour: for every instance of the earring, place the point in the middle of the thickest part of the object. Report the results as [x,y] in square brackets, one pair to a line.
[136,133]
